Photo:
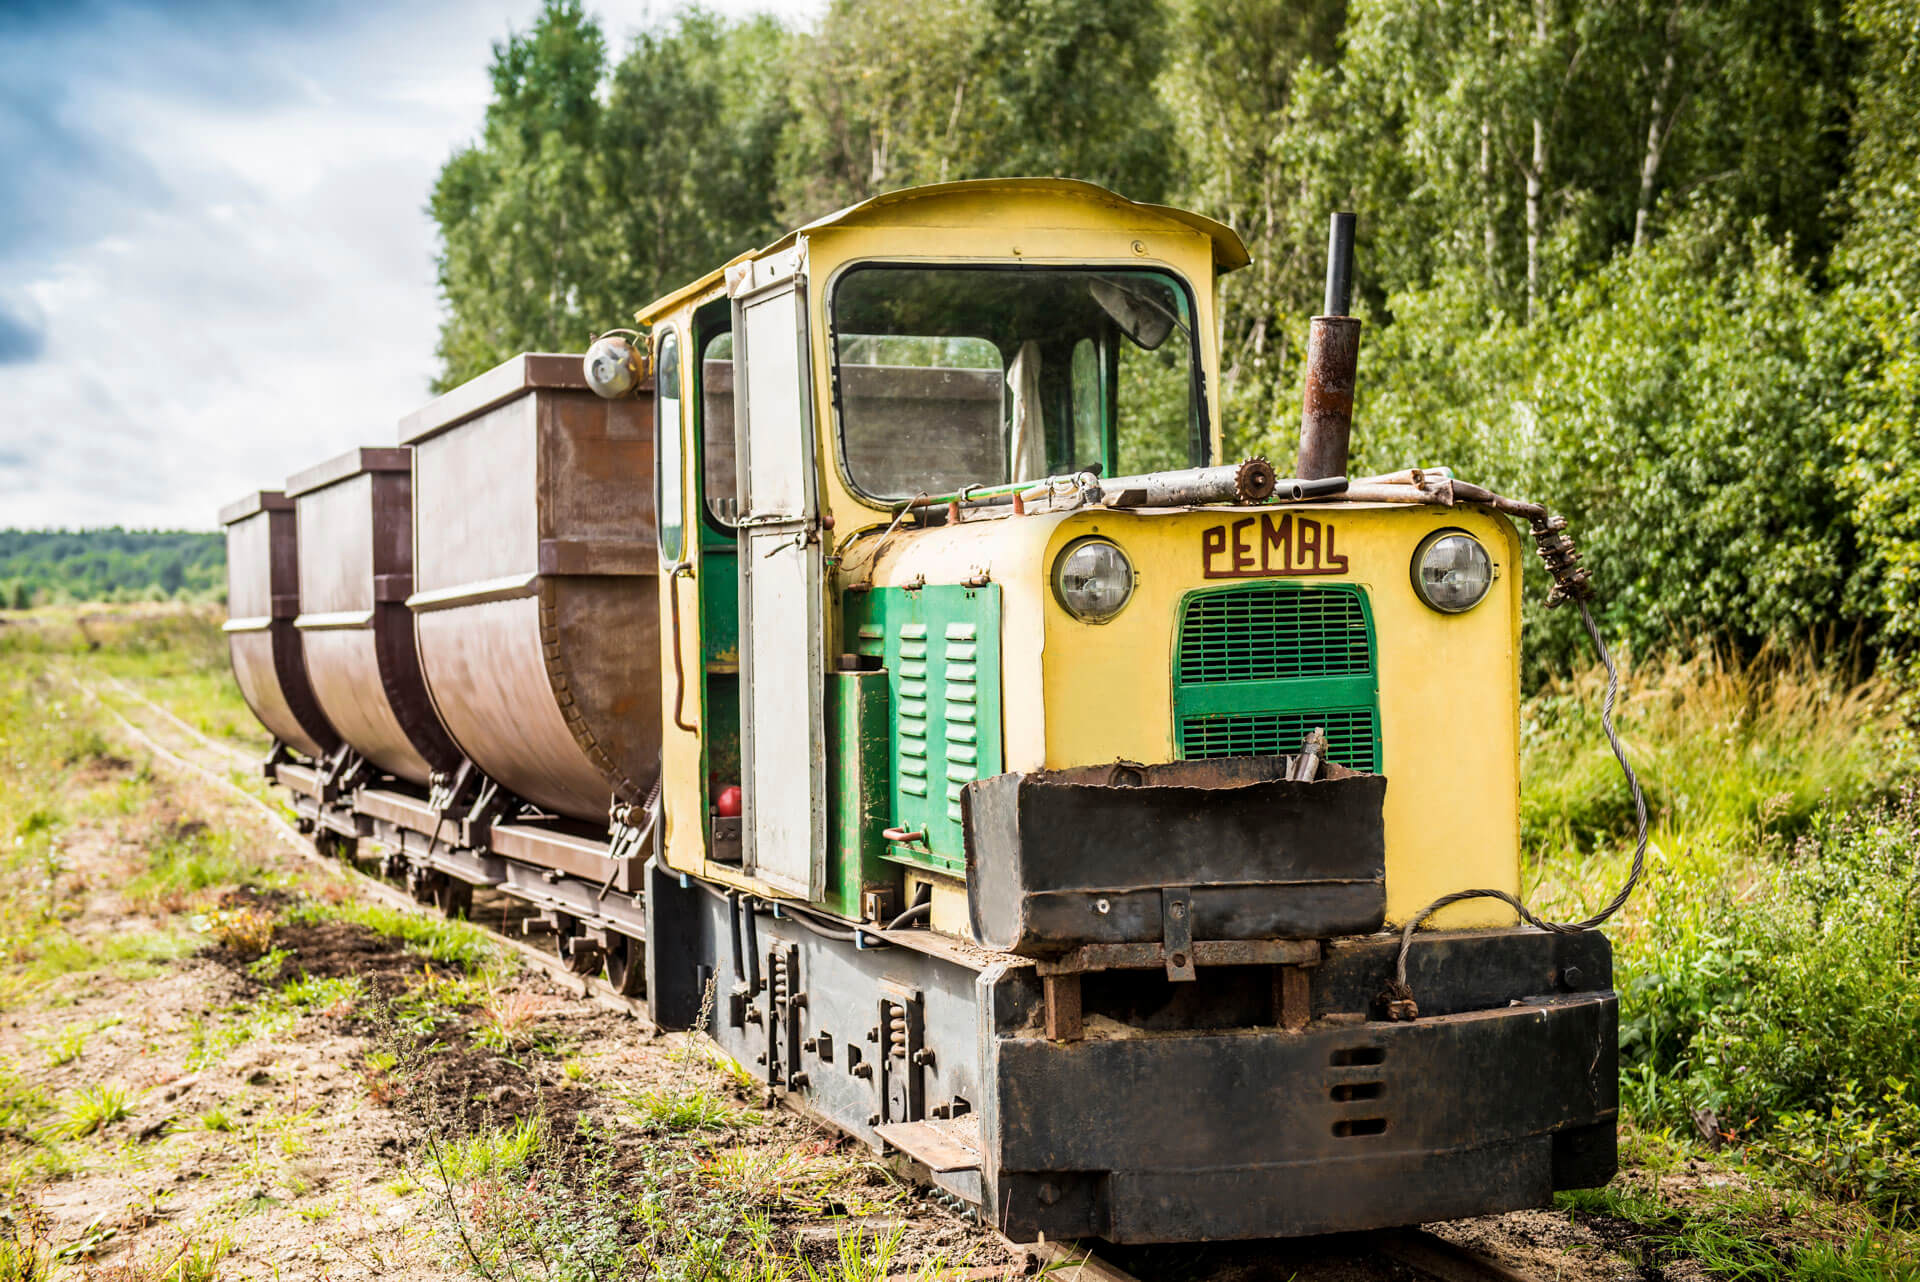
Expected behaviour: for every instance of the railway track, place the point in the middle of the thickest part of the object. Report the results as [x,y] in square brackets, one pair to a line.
[1391,1256]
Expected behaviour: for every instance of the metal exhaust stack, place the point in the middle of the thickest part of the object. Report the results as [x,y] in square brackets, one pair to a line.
[1333,357]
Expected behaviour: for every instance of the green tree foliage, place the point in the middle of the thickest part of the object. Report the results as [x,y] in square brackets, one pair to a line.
[517,210]
[693,125]
[895,93]
[1878,305]
[594,187]
[1650,261]
[1069,93]
[1244,82]
[882,93]
[1677,406]
[38,567]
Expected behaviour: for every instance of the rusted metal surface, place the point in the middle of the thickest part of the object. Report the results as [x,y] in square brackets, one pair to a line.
[1333,359]
[355,521]
[1293,997]
[1082,856]
[569,852]
[1306,763]
[263,597]
[1251,481]
[1326,414]
[1375,1125]
[536,582]
[1061,994]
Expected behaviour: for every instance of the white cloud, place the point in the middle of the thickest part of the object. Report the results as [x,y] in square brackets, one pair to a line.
[228,260]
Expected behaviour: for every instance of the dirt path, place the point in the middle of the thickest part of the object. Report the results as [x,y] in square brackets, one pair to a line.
[222,1061]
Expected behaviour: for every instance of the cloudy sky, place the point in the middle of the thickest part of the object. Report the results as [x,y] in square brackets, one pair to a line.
[215,268]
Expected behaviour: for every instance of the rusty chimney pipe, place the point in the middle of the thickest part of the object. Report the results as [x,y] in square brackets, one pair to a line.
[1333,356]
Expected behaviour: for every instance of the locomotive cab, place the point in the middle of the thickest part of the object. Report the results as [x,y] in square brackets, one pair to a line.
[1015,714]
[1084,635]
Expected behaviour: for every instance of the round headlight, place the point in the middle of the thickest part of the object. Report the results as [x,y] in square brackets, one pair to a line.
[1451,571]
[1093,580]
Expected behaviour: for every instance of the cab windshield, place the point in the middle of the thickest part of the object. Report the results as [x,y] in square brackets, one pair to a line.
[948,377]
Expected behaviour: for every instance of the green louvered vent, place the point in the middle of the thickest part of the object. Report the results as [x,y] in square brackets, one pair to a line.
[1259,666]
[913,709]
[940,646]
[962,697]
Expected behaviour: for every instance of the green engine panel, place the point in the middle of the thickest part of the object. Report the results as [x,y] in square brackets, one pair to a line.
[940,646]
[860,797]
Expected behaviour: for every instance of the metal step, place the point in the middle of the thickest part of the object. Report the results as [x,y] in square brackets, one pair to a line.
[940,1144]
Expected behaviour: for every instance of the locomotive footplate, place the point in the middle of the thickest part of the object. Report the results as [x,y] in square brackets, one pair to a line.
[1185,1110]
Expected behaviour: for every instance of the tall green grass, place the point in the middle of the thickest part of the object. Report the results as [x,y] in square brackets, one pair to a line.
[1728,750]
[1769,966]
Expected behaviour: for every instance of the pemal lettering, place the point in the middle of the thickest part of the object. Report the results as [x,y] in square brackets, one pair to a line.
[1243,561]
[1288,544]
[1274,538]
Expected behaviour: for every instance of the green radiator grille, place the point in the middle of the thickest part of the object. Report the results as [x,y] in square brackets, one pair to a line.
[1350,735]
[1267,635]
[1259,666]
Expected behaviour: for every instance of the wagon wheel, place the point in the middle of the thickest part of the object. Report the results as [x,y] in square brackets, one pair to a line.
[625,965]
[581,954]
[331,845]
[453,897]
[423,884]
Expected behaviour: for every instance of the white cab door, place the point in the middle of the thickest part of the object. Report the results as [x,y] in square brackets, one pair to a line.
[782,670]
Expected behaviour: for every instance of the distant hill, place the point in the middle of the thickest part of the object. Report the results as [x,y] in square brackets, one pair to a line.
[48,567]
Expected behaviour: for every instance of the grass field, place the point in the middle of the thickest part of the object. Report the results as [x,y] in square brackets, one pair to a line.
[220,1060]
[1767,970]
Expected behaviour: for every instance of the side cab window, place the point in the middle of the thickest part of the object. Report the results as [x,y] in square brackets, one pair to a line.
[669,503]
[716,428]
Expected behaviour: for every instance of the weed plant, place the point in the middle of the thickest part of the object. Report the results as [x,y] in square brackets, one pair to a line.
[1778,1009]
[1729,750]
[94,1108]
[186,860]
[457,944]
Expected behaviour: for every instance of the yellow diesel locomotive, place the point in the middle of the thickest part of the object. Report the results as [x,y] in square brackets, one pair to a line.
[873,660]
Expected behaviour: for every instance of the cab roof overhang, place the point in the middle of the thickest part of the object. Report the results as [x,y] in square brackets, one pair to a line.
[1229,253]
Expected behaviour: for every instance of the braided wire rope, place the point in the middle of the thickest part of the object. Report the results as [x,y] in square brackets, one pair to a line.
[1400,989]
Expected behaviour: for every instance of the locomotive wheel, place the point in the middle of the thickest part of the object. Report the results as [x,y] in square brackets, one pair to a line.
[624,965]
[453,897]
